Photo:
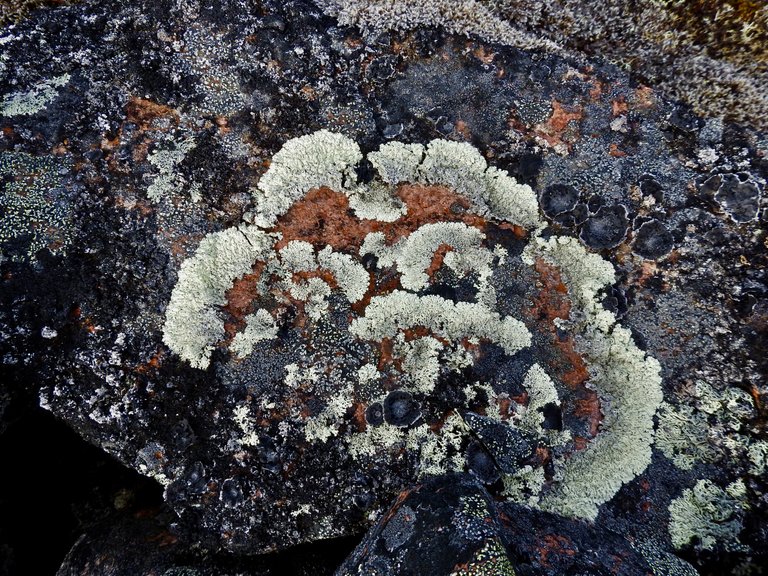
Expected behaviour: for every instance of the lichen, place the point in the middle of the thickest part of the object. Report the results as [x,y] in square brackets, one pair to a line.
[313,161]
[493,192]
[166,161]
[32,209]
[259,326]
[682,436]
[426,335]
[708,514]
[414,254]
[386,315]
[193,323]
[627,380]
[35,100]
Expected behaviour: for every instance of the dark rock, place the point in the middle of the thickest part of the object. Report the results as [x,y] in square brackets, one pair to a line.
[606,229]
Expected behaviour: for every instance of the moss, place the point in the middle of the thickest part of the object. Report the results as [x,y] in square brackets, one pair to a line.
[707,514]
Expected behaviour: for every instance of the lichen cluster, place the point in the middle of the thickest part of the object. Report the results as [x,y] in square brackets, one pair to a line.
[405,338]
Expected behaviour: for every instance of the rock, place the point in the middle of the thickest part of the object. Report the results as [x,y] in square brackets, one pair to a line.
[451,525]
[277,263]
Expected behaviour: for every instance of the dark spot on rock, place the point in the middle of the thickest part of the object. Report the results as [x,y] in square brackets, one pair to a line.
[580,214]
[374,415]
[364,171]
[558,198]
[507,445]
[650,187]
[739,196]
[364,500]
[231,494]
[652,240]
[399,528]
[553,417]
[481,464]
[381,68]
[195,479]
[616,301]
[274,23]
[606,229]
[400,409]
[268,455]
[393,130]
[594,203]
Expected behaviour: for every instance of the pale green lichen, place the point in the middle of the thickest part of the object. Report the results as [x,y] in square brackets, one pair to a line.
[489,560]
[758,456]
[326,424]
[708,514]
[259,326]
[319,159]
[386,315]
[32,209]
[438,452]
[414,254]
[397,162]
[682,436]
[421,362]
[193,322]
[467,17]
[351,278]
[166,161]
[35,100]
[541,391]
[627,380]
[492,191]
[376,202]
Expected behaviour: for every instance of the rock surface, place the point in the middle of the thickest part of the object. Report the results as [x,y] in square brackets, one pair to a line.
[134,134]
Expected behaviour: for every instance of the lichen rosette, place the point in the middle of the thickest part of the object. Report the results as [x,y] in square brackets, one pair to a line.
[422,317]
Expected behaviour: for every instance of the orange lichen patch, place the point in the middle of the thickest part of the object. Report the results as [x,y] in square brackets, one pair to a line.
[358,417]
[437,259]
[152,364]
[597,89]
[144,112]
[555,545]
[484,55]
[323,217]
[307,92]
[463,128]
[589,409]
[613,150]
[553,131]
[580,442]
[643,98]
[552,302]
[619,106]
[240,299]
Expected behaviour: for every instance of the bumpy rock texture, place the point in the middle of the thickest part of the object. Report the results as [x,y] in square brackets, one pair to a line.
[287,346]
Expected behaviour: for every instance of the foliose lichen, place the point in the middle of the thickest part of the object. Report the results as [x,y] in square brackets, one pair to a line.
[415,335]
